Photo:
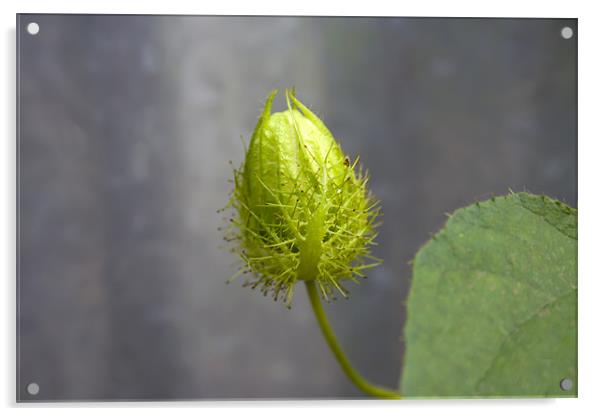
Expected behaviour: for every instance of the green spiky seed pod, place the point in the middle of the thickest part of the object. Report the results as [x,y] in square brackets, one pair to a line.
[302,210]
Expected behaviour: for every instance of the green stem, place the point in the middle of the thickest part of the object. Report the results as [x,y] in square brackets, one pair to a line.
[353,375]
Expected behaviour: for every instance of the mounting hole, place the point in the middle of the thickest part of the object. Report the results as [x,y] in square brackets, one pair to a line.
[566,384]
[33,388]
[33,28]
[566,32]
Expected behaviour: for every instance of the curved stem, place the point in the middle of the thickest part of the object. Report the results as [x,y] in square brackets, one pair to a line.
[331,339]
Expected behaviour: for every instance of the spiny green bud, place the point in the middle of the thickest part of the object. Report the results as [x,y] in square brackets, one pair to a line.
[302,209]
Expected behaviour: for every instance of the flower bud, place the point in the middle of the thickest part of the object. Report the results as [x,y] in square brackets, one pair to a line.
[302,210]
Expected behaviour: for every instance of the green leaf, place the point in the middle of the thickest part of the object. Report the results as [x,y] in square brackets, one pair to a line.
[493,306]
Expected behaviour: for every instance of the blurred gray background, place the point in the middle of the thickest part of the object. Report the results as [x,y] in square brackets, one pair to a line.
[126,126]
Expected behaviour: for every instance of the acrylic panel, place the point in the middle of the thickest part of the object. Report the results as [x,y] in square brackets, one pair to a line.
[131,132]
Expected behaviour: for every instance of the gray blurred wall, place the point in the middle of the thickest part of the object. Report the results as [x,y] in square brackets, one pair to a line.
[126,126]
